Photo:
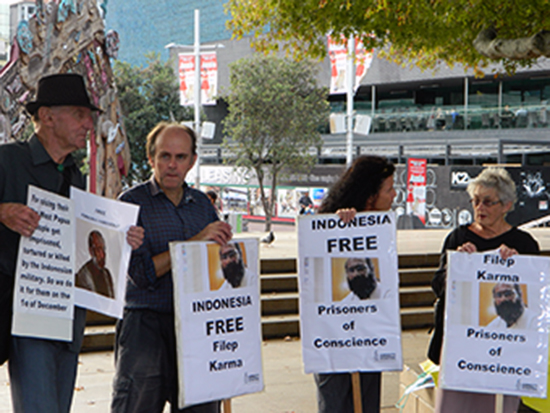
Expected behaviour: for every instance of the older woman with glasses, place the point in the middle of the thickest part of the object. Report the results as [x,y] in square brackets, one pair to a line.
[493,194]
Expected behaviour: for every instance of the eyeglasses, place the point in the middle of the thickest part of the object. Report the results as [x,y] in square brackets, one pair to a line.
[486,202]
[228,254]
[505,294]
[357,268]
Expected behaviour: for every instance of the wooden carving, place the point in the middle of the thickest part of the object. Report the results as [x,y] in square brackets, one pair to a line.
[69,36]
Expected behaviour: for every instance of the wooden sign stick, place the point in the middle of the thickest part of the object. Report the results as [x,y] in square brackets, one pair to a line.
[356,388]
[227,406]
[499,403]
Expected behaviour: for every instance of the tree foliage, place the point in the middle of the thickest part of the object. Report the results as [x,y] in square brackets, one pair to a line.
[422,31]
[275,110]
[148,95]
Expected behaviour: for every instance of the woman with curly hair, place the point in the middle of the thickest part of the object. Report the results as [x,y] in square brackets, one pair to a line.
[367,185]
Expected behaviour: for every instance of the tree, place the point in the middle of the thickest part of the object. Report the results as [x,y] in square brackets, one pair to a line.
[422,31]
[148,95]
[275,111]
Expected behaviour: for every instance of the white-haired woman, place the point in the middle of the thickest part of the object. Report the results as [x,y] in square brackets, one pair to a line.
[492,194]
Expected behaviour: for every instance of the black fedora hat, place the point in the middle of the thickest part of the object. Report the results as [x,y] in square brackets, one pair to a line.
[66,89]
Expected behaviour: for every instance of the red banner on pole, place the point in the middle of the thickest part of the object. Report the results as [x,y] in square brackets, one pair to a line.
[416,188]
[209,78]
[337,51]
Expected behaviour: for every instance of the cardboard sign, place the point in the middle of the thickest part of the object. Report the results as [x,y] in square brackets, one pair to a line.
[217,316]
[349,297]
[44,277]
[496,338]
[102,253]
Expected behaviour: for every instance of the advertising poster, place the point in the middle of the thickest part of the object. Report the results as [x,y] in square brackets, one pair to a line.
[217,317]
[416,188]
[318,194]
[186,70]
[349,296]
[102,253]
[286,203]
[337,51]
[255,206]
[234,199]
[496,336]
[44,278]
[208,78]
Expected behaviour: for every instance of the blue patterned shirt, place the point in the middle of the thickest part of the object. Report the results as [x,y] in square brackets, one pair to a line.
[163,223]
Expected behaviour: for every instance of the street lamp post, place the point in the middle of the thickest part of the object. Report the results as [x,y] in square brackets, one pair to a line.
[350,79]
[197,88]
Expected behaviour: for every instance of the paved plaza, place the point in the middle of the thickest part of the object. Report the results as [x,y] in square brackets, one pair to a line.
[287,388]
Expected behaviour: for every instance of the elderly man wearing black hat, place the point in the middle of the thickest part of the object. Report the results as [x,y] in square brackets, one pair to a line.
[42,372]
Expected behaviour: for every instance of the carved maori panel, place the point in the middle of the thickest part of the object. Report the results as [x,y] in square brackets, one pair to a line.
[69,36]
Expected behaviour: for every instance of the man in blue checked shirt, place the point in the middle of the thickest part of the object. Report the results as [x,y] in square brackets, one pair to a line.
[145,352]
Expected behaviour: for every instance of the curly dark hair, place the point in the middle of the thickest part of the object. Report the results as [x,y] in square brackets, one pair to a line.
[361,181]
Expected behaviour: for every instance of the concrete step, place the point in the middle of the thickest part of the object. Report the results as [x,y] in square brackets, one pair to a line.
[416,296]
[102,338]
[417,317]
[279,326]
[280,300]
[286,265]
[97,319]
[418,260]
[278,265]
[279,303]
[416,276]
[99,338]
[286,282]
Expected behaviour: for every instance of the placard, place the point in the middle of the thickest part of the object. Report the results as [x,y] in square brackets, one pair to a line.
[102,252]
[349,296]
[217,317]
[44,276]
[496,338]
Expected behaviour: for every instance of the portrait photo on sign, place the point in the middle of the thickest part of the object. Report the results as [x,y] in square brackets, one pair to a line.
[355,278]
[228,267]
[98,255]
[505,305]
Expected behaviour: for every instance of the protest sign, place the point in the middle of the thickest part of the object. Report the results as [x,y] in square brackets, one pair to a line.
[349,297]
[44,277]
[102,253]
[217,317]
[496,338]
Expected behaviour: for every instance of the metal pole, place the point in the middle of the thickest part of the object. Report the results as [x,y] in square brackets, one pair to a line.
[197,93]
[350,79]
[499,98]
[373,102]
[466,103]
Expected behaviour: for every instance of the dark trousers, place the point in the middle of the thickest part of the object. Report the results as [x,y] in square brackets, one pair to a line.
[6,301]
[335,393]
[146,365]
